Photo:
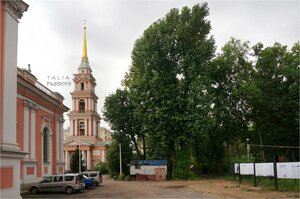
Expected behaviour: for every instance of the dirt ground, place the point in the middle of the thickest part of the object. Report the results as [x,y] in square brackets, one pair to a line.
[231,189]
[216,188]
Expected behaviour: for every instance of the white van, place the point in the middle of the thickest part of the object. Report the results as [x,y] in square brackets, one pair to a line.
[95,175]
[58,183]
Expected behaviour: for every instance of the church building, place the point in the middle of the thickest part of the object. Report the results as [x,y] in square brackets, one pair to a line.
[31,115]
[84,118]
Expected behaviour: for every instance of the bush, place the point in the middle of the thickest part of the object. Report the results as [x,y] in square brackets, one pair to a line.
[102,167]
[182,166]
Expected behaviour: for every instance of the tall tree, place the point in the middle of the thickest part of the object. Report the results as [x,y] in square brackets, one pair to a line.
[172,53]
[273,94]
[228,72]
[119,113]
[113,156]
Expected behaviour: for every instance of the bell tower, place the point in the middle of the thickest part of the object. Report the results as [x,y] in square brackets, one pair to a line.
[84,118]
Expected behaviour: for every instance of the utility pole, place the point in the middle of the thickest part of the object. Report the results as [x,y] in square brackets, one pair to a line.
[248,148]
[79,155]
[120,154]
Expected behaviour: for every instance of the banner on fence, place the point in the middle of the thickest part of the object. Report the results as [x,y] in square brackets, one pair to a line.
[246,169]
[264,169]
[236,168]
[288,170]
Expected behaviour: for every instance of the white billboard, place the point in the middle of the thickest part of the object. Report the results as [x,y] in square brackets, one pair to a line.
[246,169]
[264,169]
[236,168]
[288,170]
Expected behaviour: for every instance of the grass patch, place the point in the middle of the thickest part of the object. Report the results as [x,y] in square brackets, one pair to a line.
[267,183]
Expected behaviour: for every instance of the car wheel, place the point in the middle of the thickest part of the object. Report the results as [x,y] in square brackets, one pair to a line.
[69,190]
[94,184]
[34,190]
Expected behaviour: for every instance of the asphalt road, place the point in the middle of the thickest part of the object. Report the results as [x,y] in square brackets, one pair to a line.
[129,189]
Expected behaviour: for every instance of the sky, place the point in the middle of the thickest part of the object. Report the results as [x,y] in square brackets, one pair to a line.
[51,35]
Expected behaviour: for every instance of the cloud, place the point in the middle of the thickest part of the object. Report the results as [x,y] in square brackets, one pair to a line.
[51,33]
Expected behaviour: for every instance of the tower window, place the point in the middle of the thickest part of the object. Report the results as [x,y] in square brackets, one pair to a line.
[81,106]
[81,128]
[82,86]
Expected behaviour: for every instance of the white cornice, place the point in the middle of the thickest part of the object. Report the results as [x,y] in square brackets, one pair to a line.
[40,94]
[38,106]
[16,8]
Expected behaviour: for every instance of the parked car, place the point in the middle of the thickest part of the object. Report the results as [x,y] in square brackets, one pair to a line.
[89,182]
[59,183]
[96,175]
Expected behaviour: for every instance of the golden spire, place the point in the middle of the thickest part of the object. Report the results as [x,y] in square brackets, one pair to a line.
[84,60]
[84,42]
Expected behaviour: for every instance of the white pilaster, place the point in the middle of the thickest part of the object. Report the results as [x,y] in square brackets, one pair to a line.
[88,161]
[57,135]
[71,127]
[85,127]
[86,104]
[90,103]
[90,127]
[32,132]
[61,141]
[76,104]
[67,160]
[9,139]
[76,127]
[102,156]
[94,130]
[26,128]
[50,153]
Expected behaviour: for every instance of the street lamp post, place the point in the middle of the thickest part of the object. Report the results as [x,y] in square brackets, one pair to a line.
[248,148]
[120,154]
[79,154]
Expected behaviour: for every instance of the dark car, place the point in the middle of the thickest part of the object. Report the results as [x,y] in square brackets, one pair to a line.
[89,182]
[96,175]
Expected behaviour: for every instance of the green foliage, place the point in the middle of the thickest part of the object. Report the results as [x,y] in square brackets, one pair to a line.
[118,111]
[113,158]
[183,165]
[268,183]
[102,167]
[166,61]
[183,103]
[74,162]
[273,95]
[245,159]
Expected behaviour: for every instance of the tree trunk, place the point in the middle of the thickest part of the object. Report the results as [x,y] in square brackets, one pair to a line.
[144,146]
[197,154]
[261,143]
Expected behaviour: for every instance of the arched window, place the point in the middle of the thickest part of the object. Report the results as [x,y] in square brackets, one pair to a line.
[81,106]
[81,127]
[46,145]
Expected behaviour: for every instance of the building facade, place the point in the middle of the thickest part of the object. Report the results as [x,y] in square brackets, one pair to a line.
[84,118]
[10,151]
[39,128]
[105,134]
